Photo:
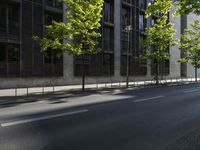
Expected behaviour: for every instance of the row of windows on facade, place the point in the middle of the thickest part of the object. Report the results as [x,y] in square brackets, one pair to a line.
[108,41]
[102,64]
[54,3]
[138,3]
[127,14]
[10,53]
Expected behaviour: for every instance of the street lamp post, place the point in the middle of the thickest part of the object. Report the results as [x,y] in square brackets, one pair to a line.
[128,29]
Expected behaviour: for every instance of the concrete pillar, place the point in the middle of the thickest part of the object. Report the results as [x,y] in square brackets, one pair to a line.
[117,40]
[68,61]
[175,66]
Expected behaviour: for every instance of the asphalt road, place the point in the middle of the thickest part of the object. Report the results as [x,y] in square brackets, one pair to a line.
[164,118]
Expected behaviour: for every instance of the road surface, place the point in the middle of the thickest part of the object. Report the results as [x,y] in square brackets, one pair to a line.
[157,118]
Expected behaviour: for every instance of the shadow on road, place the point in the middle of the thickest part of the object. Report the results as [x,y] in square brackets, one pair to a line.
[52,98]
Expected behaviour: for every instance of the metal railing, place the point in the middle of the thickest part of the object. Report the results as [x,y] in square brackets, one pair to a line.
[97,86]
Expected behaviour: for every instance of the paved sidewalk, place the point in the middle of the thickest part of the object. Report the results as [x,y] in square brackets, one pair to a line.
[54,89]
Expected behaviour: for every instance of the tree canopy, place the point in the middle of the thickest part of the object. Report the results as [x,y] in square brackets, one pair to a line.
[187,6]
[159,38]
[190,45]
[80,31]
[181,7]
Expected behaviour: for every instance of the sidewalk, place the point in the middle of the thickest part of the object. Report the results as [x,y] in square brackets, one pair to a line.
[97,86]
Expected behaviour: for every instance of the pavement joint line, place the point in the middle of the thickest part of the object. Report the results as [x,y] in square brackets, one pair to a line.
[146,99]
[24,121]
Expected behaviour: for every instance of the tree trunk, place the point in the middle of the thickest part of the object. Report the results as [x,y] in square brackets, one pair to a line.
[83,73]
[157,67]
[195,74]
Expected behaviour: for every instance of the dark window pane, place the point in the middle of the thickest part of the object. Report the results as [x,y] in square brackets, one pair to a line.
[108,39]
[2,53]
[48,56]
[3,69]
[13,53]
[109,11]
[141,44]
[13,19]
[141,22]
[54,3]
[2,19]
[142,4]
[58,4]
[13,59]
[126,16]
[49,2]
[49,17]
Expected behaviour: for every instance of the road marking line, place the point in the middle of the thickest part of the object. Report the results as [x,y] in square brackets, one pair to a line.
[42,118]
[191,91]
[146,99]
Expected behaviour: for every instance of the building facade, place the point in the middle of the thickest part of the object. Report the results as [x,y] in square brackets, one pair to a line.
[23,64]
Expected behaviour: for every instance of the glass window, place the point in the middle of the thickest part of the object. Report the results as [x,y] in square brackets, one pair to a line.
[141,22]
[58,4]
[142,4]
[13,19]
[2,19]
[153,21]
[53,3]
[48,56]
[49,17]
[126,16]
[108,11]
[108,39]
[141,40]
[9,20]
[13,53]
[9,59]
[127,1]
[2,53]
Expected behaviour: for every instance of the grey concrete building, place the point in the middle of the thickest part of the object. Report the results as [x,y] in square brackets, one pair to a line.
[22,64]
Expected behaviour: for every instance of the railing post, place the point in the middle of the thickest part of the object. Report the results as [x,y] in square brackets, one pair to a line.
[15,91]
[97,85]
[43,90]
[27,91]
[53,89]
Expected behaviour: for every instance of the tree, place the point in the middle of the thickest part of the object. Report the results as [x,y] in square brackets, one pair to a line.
[181,6]
[187,6]
[190,45]
[159,7]
[79,35]
[159,38]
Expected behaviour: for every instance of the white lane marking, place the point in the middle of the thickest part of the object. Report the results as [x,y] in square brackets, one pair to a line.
[191,91]
[146,99]
[7,124]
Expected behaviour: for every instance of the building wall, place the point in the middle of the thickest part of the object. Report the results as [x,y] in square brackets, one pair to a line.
[69,77]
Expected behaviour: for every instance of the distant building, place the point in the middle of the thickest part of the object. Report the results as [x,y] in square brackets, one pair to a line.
[23,64]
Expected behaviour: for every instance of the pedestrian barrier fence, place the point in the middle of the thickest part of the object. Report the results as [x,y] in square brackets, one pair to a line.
[98,85]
